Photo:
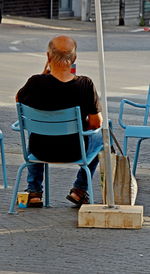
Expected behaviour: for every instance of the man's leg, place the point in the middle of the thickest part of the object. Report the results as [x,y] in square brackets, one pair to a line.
[35,179]
[81,181]
[93,141]
[80,184]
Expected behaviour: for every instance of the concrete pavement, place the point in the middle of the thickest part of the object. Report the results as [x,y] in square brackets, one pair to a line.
[68,24]
[48,240]
[62,24]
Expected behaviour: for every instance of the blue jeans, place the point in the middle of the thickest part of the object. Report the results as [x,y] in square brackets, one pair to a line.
[35,171]
[35,177]
[93,141]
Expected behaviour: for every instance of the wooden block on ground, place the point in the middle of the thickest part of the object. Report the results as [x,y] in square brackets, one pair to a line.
[123,216]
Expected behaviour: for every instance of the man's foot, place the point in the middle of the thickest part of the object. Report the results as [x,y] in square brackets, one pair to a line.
[78,196]
[35,199]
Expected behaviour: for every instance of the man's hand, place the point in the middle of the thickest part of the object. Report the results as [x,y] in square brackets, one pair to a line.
[95,120]
[46,68]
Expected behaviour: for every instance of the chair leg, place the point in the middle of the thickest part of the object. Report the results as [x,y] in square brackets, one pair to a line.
[4,165]
[125,145]
[15,190]
[47,199]
[89,181]
[136,156]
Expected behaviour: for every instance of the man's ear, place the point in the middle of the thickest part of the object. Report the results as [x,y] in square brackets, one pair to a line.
[48,57]
[73,60]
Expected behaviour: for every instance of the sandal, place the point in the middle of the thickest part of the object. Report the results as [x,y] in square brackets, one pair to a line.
[35,199]
[82,194]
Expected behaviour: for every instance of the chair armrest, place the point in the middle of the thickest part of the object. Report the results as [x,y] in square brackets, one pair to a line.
[91,131]
[121,110]
[15,126]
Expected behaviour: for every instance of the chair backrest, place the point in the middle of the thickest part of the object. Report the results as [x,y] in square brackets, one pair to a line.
[52,123]
[147,109]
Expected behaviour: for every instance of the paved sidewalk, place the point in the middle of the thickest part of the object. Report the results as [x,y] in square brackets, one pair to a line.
[62,24]
[68,24]
[48,240]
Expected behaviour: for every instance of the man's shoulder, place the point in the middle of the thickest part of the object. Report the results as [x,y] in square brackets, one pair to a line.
[84,80]
[37,76]
[84,77]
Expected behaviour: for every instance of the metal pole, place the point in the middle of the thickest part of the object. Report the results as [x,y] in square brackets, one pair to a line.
[51,9]
[121,12]
[106,137]
[141,8]
[84,10]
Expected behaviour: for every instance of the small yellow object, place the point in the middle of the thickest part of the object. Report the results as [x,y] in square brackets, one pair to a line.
[22,199]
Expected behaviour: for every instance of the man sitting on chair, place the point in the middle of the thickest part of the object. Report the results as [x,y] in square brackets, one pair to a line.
[57,88]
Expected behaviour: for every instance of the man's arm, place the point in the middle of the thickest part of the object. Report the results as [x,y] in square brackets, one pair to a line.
[17,98]
[95,120]
[46,68]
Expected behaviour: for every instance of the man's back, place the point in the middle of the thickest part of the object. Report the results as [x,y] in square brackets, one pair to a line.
[48,93]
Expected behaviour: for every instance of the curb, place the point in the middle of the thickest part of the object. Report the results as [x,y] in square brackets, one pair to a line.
[67,24]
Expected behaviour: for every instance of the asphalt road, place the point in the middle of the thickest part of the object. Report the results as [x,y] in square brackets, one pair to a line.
[23,53]
[48,240]
[22,48]
[34,39]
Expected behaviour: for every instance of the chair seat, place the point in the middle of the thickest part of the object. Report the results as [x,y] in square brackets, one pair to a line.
[137,131]
[90,157]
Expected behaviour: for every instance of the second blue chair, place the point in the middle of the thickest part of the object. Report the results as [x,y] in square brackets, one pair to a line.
[141,132]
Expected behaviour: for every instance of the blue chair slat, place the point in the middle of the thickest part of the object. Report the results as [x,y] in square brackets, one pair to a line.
[4,170]
[49,116]
[141,132]
[43,128]
[138,131]
[59,122]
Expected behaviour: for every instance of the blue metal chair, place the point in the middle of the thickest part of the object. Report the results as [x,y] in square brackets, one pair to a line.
[60,122]
[131,131]
[3,160]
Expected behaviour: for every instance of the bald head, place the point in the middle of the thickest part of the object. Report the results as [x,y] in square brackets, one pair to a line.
[62,50]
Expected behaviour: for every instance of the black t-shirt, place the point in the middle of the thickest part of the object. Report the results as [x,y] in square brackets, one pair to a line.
[45,92]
